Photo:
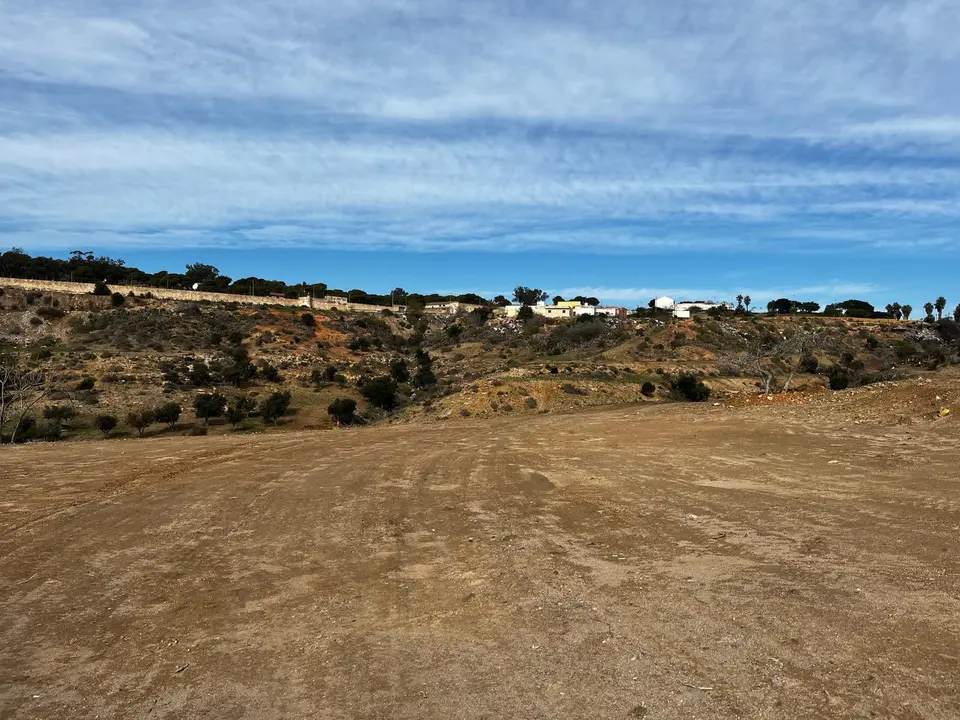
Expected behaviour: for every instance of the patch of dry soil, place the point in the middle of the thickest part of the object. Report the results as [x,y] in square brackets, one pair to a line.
[669,562]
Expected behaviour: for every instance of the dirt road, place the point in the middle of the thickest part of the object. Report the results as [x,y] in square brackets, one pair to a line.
[674,563]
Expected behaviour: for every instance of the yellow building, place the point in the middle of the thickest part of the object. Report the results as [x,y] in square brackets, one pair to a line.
[569,304]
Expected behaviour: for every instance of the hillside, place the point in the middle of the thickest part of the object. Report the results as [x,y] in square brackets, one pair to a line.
[109,356]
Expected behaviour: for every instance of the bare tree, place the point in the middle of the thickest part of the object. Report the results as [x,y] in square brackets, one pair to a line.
[20,390]
[766,356]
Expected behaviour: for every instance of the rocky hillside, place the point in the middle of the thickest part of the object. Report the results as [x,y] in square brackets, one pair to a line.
[122,355]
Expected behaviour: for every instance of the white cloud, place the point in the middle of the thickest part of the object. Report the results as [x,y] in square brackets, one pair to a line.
[620,127]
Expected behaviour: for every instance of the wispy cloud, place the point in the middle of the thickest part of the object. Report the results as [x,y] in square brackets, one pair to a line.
[484,126]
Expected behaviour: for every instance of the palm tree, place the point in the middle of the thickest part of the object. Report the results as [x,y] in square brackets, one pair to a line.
[940,305]
[739,302]
[929,308]
[746,302]
[956,313]
[906,310]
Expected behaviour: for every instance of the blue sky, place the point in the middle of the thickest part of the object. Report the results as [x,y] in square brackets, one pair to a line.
[621,149]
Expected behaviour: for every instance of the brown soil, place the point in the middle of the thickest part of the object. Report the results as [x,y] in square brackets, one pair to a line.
[659,562]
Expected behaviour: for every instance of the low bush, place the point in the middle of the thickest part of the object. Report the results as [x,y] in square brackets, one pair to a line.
[342,410]
[105,424]
[275,406]
[648,389]
[690,387]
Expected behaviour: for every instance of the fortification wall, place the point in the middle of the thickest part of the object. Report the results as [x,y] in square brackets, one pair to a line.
[162,293]
[72,288]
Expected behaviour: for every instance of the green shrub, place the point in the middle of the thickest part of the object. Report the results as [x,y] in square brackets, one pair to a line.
[380,392]
[648,389]
[100,288]
[50,313]
[239,409]
[209,405]
[117,299]
[275,407]
[105,424]
[690,387]
[342,410]
[168,413]
[87,383]
[140,420]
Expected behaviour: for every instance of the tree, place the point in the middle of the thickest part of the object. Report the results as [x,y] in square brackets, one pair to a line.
[275,406]
[767,354]
[940,304]
[528,296]
[906,310]
[956,313]
[399,370]
[100,288]
[198,274]
[928,308]
[501,301]
[209,405]
[117,299]
[58,415]
[525,313]
[587,300]
[106,424]
[20,390]
[894,310]
[746,302]
[557,299]
[239,409]
[424,376]
[239,369]
[782,306]
[381,392]
[739,303]
[140,420]
[342,410]
[168,413]
[308,319]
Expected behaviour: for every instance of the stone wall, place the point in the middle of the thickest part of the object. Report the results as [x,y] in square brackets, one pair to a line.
[162,293]
[72,288]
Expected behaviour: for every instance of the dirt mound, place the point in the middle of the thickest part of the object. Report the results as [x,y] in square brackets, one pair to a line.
[921,400]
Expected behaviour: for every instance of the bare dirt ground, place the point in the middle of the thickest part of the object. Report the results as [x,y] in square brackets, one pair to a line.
[663,562]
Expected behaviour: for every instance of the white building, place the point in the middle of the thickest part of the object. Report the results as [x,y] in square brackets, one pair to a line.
[664,303]
[451,307]
[541,309]
[684,309]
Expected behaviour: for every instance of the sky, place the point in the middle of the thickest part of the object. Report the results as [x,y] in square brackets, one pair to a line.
[618,149]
